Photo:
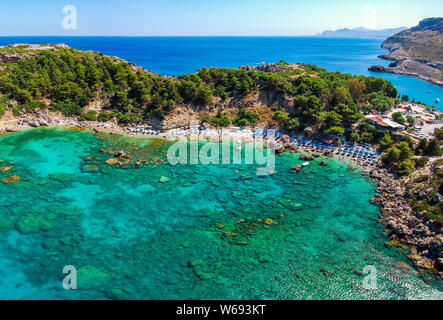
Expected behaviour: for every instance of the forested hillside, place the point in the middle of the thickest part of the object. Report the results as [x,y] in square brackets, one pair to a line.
[67,80]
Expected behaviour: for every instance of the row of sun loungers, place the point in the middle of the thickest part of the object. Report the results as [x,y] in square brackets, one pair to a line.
[145,131]
[362,153]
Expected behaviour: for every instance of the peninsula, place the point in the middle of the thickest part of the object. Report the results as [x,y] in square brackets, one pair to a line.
[360,32]
[416,52]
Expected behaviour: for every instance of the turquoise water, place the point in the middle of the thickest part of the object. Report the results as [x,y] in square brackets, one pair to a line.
[131,237]
[180,55]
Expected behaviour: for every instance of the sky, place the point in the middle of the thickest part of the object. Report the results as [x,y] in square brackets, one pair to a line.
[207,17]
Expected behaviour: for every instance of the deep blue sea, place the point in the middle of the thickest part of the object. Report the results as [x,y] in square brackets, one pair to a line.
[180,55]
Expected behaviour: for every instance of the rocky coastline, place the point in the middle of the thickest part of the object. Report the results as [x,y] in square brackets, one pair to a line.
[416,52]
[426,70]
[405,227]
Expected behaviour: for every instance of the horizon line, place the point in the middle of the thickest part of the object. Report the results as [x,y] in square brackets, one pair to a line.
[193,36]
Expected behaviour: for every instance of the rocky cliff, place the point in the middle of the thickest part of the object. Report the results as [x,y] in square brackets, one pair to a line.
[417,51]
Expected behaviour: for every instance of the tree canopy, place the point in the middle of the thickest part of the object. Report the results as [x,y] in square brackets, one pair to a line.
[71,79]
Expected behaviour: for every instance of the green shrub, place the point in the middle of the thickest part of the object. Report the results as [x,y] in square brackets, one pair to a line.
[335,130]
[245,118]
[89,116]
[398,117]
[16,111]
[68,108]
[105,116]
[221,120]
[72,79]
[281,117]
[421,206]
[32,105]
[405,167]
[433,149]
[421,162]
[293,124]
[436,213]
[422,178]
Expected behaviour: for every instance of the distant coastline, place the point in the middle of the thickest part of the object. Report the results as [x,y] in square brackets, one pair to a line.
[164,55]
[360,32]
[416,52]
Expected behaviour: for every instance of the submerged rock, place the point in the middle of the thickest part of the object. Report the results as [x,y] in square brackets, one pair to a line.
[323,164]
[112,161]
[270,222]
[157,160]
[90,276]
[6,169]
[164,179]
[219,225]
[49,244]
[288,203]
[115,294]
[90,168]
[306,157]
[195,263]
[61,177]
[205,276]
[200,270]
[6,225]
[245,177]
[11,179]
[237,194]
[41,182]
[35,222]
[122,154]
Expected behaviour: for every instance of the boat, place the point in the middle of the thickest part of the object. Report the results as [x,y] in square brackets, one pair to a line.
[305,164]
[437,100]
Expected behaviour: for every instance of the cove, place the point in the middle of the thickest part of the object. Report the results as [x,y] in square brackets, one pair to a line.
[205,233]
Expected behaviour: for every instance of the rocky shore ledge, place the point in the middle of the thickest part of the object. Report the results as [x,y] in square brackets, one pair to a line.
[424,238]
[429,71]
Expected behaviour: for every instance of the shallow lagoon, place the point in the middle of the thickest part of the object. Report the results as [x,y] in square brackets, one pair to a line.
[305,236]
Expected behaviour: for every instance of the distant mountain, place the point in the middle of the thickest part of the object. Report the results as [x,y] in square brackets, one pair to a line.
[417,51]
[360,32]
[424,41]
